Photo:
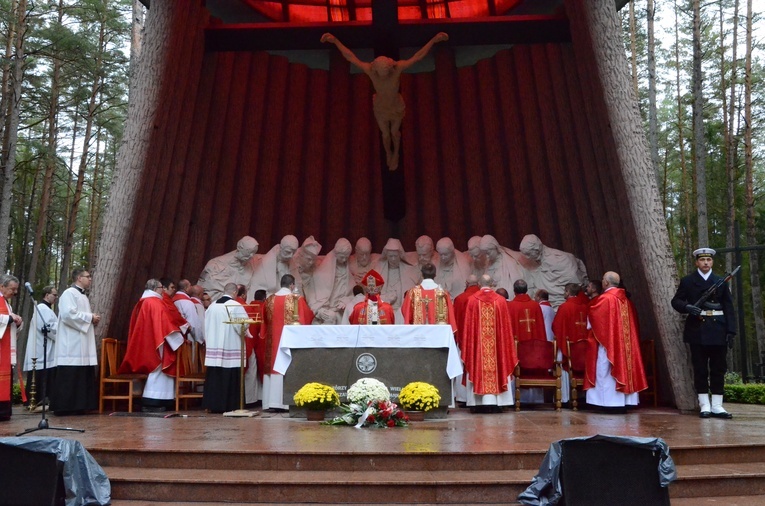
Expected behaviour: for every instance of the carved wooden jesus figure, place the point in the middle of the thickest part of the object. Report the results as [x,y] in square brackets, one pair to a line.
[388,104]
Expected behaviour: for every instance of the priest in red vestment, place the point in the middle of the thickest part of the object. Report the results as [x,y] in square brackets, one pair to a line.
[619,372]
[428,303]
[460,304]
[488,350]
[256,311]
[570,323]
[372,310]
[525,314]
[282,308]
[153,336]
[9,324]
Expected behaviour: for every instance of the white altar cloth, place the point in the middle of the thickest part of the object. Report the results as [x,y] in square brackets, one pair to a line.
[368,336]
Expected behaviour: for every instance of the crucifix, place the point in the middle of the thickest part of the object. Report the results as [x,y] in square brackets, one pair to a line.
[388,104]
[427,302]
[386,34]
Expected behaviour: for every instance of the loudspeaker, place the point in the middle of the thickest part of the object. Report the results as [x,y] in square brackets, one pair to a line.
[606,473]
[28,477]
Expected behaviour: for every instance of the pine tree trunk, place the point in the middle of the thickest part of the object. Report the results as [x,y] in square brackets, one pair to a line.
[93,221]
[601,21]
[12,132]
[83,166]
[729,115]
[653,122]
[50,160]
[751,231]
[633,49]
[699,142]
[686,185]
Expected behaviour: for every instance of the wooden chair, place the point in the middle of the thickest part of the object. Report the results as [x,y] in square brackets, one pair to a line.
[537,367]
[189,373]
[112,385]
[577,365]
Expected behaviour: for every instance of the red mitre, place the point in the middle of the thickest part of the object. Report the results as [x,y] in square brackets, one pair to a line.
[372,275]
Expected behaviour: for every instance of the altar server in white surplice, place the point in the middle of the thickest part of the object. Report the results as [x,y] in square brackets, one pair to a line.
[43,316]
[223,358]
[75,390]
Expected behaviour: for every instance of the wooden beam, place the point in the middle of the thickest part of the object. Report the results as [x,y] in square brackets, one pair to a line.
[475,31]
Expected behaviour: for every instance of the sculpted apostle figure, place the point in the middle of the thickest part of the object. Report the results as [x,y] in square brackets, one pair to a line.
[477,256]
[424,253]
[549,268]
[399,275]
[388,104]
[333,285]
[306,259]
[269,269]
[454,267]
[501,263]
[233,267]
[363,260]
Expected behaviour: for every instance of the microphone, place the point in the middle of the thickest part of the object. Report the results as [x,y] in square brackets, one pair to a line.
[29,288]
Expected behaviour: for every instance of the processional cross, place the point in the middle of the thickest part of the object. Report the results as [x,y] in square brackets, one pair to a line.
[386,34]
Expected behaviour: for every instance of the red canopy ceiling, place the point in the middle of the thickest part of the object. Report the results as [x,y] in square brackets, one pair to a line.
[361,10]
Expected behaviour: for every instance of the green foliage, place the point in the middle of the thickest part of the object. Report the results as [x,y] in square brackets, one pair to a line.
[75,51]
[16,394]
[677,170]
[733,378]
[750,393]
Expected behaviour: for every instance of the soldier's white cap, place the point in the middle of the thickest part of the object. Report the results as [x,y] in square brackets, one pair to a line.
[704,252]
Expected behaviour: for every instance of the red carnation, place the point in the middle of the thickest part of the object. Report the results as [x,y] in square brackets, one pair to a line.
[399,414]
[391,423]
[371,419]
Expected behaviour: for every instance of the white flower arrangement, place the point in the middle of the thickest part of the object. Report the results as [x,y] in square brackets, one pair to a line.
[368,389]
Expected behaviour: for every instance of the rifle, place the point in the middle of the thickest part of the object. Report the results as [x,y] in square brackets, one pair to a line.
[712,289]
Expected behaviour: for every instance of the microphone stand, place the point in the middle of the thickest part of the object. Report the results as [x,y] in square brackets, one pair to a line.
[43,424]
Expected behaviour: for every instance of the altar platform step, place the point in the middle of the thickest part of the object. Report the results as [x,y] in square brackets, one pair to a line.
[733,471]
[211,460]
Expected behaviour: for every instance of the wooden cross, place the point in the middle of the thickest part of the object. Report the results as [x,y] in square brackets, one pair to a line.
[528,320]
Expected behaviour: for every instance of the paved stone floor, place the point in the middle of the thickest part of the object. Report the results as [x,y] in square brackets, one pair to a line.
[461,431]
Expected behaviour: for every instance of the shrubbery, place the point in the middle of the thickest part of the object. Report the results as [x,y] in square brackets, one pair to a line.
[749,393]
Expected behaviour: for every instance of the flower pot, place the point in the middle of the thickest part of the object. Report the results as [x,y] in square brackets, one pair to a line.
[315,415]
[416,416]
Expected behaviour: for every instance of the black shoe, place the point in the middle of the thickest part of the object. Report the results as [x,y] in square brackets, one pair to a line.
[705,414]
[153,409]
[724,415]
